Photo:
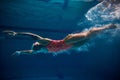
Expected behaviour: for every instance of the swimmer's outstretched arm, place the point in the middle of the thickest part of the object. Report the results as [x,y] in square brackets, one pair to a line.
[29,52]
[17,53]
[28,34]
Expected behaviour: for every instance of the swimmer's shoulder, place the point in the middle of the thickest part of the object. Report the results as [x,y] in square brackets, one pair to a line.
[45,41]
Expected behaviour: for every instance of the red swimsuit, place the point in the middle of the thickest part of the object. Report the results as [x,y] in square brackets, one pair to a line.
[58,45]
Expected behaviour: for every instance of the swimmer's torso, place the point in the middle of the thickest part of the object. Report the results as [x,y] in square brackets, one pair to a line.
[58,45]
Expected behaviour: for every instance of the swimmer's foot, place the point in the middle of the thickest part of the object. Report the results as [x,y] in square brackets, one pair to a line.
[111,26]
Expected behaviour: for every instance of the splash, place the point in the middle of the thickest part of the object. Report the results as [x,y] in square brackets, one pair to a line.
[61,52]
[84,48]
[104,12]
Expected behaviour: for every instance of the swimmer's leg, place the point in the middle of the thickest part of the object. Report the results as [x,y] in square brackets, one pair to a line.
[96,30]
[74,38]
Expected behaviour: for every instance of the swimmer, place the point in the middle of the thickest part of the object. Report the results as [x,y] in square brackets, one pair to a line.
[49,45]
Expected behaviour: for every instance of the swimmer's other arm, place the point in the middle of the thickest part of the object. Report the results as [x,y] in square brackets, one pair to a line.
[17,53]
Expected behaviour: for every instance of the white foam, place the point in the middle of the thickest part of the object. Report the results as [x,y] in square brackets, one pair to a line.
[104,12]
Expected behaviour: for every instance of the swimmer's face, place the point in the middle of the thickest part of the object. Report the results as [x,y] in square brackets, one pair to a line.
[39,48]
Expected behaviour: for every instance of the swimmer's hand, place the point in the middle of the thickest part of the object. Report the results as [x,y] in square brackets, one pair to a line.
[10,33]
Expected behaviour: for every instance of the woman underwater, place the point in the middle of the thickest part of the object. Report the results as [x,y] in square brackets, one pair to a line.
[49,45]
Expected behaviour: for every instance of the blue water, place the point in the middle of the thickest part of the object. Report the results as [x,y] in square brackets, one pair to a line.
[98,59]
